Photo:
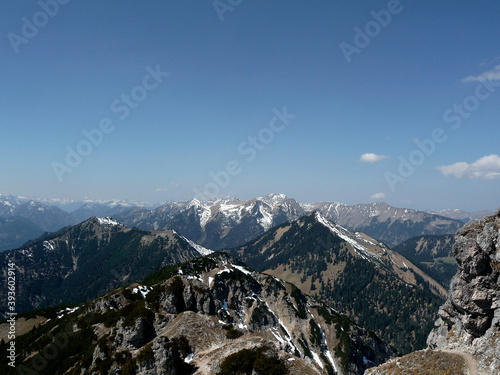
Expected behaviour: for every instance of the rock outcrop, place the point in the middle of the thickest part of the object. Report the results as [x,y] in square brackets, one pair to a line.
[466,336]
[469,321]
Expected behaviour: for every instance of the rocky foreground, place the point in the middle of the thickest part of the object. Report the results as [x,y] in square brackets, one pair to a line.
[466,337]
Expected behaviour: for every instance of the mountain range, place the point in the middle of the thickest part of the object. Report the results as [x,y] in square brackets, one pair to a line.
[219,223]
[174,317]
[23,219]
[224,223]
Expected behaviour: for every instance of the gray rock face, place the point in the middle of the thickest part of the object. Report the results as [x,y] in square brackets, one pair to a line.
[469,321]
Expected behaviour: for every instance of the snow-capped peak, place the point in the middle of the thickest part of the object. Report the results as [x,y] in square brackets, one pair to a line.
[273,199]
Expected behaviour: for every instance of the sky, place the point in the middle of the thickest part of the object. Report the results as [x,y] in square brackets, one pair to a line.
[344,101]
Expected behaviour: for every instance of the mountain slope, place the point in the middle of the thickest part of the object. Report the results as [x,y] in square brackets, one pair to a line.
[385,223]
[209,316]
[433,254]
[81,262]
[377,287]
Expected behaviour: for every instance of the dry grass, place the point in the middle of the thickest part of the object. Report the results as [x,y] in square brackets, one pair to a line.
[427,362]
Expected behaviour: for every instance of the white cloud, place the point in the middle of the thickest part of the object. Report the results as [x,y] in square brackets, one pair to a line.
[378,196]
[372,158]
[160,190]
[486,168]
[489,75]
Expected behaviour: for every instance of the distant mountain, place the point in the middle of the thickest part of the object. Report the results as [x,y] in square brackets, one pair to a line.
[101,209]
[8,203]
[212,315]
[218,223]
[71,205]
[359,276]
[223,223]
[464,216]
[49,218]
[15,231]
[433,254]
[83,261]
[230,222]
[23,219]
[385,223]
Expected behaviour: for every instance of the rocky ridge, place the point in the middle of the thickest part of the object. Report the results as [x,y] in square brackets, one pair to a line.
[203,317]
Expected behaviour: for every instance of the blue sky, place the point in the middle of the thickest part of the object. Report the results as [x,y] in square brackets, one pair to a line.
[415,70]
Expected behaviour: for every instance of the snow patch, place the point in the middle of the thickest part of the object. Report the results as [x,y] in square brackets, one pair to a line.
[49,245]
[195,278]
[343,233]
[202,250]
[366,361]
[266,221]
[107,221]
[28,253]
[240,268]
[224,270]
[144,290]
[317,359]
[330,358]
[66,311]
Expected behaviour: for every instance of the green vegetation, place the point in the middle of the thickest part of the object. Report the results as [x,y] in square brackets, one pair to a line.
[146,354]
[54,338]
[134,311]
[177,350]
[316,336]
[305,346]
[300,301]
[231,332]
[249,361]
